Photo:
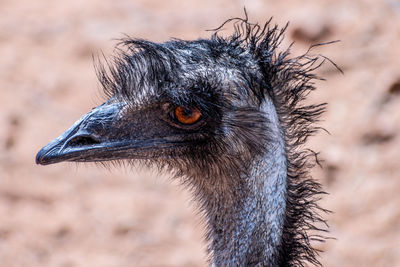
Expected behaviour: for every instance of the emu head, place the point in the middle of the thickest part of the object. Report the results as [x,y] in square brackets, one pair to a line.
[185,104]
[192,106]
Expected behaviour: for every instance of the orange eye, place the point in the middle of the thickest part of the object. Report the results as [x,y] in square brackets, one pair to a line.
[187,115]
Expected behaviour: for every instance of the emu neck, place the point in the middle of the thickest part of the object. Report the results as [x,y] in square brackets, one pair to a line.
[246,223]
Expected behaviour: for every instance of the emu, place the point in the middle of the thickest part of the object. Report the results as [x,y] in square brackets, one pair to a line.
[226,115]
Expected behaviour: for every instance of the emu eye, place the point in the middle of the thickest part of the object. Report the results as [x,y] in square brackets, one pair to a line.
[187,115]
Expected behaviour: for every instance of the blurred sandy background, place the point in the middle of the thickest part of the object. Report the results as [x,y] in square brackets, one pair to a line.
[82,215]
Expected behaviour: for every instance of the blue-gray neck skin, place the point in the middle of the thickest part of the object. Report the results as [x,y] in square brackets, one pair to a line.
[245,225]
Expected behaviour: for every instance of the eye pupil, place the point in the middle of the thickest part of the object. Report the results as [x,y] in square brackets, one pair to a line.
[187,115]
[187,112]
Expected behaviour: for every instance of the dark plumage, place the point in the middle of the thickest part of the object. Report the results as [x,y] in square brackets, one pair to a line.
[243,155]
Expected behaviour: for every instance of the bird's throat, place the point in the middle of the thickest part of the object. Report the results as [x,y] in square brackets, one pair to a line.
[246,224]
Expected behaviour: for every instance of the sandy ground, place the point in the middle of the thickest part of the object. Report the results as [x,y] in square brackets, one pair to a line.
[84,215]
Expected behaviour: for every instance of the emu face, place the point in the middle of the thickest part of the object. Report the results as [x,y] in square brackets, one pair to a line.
[181,101]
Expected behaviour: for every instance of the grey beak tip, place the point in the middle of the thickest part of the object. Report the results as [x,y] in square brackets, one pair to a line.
[46,155]
[81,139]
[40,157]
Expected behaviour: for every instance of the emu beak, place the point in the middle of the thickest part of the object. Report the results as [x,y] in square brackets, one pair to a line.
[112,131]
[86,139]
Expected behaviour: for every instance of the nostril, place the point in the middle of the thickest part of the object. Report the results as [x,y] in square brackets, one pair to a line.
[83,141]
